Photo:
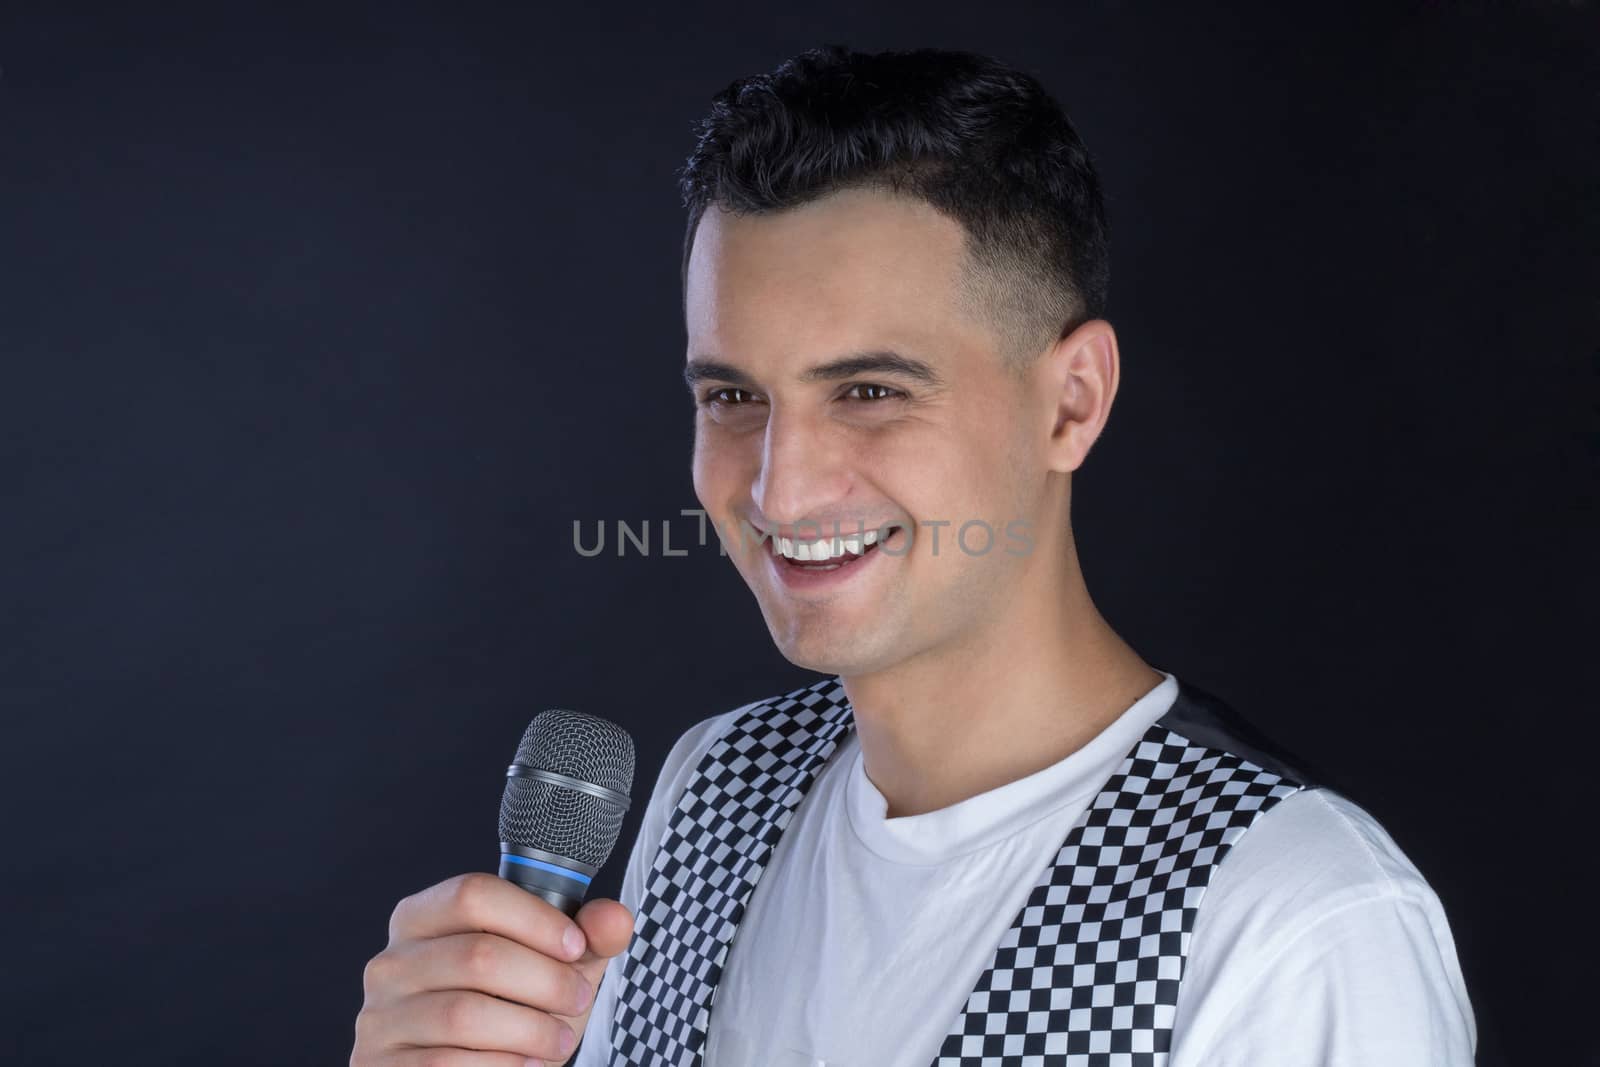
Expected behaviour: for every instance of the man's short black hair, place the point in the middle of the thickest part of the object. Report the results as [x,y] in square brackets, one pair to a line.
[981,142]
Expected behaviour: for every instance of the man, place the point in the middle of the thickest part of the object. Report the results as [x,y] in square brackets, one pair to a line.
[995,835]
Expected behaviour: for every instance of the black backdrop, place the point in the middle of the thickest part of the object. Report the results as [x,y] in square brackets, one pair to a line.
[320,328]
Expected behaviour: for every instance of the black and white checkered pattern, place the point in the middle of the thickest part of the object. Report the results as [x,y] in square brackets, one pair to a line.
[1088,973]
[717,843]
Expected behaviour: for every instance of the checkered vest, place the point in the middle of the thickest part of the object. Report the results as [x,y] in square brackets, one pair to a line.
[1086,976]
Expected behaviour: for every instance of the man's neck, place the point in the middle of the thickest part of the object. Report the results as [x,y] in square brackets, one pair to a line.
[957,722]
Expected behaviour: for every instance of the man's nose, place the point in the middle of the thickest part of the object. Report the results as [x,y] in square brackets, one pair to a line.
[804,470]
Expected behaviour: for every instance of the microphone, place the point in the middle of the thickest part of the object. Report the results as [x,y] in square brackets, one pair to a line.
[564,800]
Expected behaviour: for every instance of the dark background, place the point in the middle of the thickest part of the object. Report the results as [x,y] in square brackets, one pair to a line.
[320,327]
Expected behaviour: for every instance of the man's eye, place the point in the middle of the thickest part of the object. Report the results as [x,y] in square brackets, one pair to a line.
[729,395]
[869,392]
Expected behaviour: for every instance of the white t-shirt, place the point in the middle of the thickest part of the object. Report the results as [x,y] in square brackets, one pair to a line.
[1316,943]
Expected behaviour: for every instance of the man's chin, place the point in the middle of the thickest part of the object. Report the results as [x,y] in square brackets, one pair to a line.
[834,653]
[830,637]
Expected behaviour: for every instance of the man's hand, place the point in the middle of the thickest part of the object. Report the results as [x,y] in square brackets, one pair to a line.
[481,973]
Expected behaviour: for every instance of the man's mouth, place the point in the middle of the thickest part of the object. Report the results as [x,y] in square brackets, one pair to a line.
[828,553]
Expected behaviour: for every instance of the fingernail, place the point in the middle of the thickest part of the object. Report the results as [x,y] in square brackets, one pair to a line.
[572,941]
[568,1039]
[584,996]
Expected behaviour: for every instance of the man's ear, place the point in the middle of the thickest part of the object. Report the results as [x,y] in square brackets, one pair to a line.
[1079,375]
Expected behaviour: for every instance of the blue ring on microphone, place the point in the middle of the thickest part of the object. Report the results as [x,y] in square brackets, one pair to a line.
[563,871]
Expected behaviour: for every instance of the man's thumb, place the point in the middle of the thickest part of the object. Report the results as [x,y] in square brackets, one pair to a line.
[607,927]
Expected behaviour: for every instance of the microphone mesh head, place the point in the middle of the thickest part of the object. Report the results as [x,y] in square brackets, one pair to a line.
[557,819]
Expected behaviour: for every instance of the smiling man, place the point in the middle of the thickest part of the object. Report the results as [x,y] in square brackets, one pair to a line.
[845,386]
[993,834]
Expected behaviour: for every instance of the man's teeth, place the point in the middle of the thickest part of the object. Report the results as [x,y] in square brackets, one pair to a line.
[825,548]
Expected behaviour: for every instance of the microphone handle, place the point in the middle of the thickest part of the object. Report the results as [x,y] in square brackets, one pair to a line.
[554,885]
[559,886]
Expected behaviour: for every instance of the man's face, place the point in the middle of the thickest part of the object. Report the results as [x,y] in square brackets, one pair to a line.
[786,448]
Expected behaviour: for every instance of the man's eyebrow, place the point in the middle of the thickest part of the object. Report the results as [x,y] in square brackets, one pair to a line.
[879,361]
[876,362]
[709,370]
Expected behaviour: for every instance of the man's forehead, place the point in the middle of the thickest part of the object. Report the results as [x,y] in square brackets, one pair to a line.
[851,230]
[855,272]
